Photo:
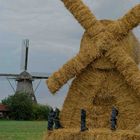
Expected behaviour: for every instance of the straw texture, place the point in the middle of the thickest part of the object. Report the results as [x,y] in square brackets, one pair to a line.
[74,66]
[83,15]
[137,129]
[105,74]
[101,85]
[96,134]
[126,66]
[130,20]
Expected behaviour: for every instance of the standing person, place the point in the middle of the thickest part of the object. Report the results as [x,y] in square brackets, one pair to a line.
[56,119]
[51,120]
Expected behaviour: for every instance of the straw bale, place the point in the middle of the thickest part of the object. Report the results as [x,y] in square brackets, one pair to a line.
[95,134]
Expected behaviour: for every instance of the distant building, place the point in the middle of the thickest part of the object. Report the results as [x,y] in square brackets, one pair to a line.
[4,111]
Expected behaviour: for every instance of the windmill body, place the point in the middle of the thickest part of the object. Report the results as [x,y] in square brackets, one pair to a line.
[24,84]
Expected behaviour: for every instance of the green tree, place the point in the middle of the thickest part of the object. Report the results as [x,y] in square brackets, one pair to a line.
[20,106]
[40,112]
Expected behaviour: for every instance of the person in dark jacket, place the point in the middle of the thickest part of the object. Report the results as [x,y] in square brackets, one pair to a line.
[56,119]
[51,120]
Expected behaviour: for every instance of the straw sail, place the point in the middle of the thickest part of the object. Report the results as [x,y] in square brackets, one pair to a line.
[131,19]
[81,12]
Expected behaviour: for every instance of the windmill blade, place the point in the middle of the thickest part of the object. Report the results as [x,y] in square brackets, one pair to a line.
[126,66]
[24,56]
[38,75]
[37,86]
[82,13]
[4,76]
[22,64]
[11,85]
[9,76]
[131,19]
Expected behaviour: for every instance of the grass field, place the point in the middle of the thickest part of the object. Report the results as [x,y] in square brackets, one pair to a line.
[22,130]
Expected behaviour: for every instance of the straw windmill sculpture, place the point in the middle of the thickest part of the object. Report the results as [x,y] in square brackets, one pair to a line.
[105,70]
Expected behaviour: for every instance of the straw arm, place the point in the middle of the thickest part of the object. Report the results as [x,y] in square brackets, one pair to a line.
[130,20]
[72,68]
[81,12]
[126,66]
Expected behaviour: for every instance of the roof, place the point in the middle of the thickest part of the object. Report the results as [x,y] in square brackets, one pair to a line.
[3,107]
[24,76]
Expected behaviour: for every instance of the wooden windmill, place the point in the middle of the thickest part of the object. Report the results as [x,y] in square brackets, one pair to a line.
[25,79]
[105,74]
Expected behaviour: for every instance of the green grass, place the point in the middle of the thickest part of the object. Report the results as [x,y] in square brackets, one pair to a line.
[22,130]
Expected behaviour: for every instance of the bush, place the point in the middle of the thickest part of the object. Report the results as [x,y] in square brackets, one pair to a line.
[40,112]
[22,108]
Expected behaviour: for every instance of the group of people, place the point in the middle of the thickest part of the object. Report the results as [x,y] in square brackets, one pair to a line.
[54,121]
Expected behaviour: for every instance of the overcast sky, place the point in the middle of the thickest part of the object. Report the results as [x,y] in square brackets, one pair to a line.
[54,37]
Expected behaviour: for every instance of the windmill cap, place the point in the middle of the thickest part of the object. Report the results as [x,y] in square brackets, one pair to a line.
[24,76]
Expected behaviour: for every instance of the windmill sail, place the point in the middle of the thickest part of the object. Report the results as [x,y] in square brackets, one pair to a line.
[9,76]
[38,75]
[24,56]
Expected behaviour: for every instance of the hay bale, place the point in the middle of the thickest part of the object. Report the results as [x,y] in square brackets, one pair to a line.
[96,134]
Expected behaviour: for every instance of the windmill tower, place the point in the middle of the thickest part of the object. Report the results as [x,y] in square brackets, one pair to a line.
[24,79]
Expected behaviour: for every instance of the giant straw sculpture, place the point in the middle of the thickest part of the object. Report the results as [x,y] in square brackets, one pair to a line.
[105,71]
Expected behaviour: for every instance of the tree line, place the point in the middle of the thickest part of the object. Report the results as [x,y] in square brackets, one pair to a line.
[21,107]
